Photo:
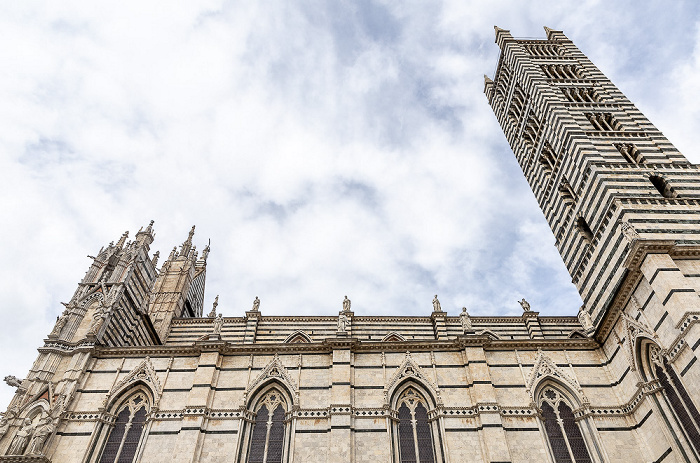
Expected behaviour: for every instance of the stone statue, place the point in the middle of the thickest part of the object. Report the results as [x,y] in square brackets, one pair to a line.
[19,443]
[524,304]
[60,323]
[98,318]
[218,324]
[342,323]
[629,232]
[5,421]
[42,432]
[256,304]
[436,305]
[212,314]
[346,304]
[465,320]
[585,319]
[13,381]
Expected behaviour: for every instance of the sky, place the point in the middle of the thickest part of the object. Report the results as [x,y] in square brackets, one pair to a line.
[325,148]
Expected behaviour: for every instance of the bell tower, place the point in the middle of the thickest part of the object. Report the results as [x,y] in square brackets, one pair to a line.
[179,289]
[622,202]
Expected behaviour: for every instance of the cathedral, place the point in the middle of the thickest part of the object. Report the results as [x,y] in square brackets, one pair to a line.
[136,370]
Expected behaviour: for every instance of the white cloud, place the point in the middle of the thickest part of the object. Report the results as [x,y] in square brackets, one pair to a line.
[326,149]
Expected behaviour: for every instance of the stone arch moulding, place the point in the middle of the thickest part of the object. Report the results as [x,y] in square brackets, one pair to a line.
[145,374]
[635,330]
[409,370]
[274,371]
[393,337]
[298,336]
[545,370]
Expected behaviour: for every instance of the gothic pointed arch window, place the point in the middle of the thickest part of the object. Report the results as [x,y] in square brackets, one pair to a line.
[656,366]
[127,432]
[566,441]
[268,433]
[416,433]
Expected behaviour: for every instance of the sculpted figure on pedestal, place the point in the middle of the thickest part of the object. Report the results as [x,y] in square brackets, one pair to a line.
[524,304]
[346,304]
[218,324]
[342,323]
[19,443]
[42,432]
[436,305]
[465,320]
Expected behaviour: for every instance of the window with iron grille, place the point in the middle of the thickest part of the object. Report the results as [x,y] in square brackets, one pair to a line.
[414,429]
[125,436]
[267,436]
[563,432]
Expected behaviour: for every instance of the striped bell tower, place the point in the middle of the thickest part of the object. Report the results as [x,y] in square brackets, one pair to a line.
[621,200]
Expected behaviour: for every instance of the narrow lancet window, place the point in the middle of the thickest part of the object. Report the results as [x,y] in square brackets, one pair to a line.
[124,439]
[563,433]
[267,436]
[415,432]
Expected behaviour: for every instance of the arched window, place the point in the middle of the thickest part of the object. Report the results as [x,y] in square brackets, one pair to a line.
[563,433]
[125,436]
[680,402]
[663,187]
[267,436]
[414,429]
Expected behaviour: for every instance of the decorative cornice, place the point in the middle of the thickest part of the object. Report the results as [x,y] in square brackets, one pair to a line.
[353,344]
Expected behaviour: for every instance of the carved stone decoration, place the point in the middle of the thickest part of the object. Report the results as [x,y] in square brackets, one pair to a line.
[218,324]
[634,329]
[98,318]
[43,431]
[410,369]
[346,304]
[19,443]
[9,415]
[524,304]
[13,381]
[546,368]
[256,305]
[212,314]
[342,323]
[273,371]
[144,373]
[60,323]
[585,319]
[629,231]
[436,304]
[465,320]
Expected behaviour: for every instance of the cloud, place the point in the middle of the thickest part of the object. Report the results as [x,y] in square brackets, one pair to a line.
[325,148]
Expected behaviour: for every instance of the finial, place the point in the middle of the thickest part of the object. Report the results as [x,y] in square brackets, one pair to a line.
[205,251]
[149,228]
[212,314]
[172,253]
[121,241]
[154,262]
[185,251]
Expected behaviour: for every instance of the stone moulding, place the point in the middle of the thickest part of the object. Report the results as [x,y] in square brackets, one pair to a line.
[144,373]
[328,345]
[25,459]
[273,371]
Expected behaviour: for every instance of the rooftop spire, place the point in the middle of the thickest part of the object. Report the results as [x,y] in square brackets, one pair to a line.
[121,241]
[187,245]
